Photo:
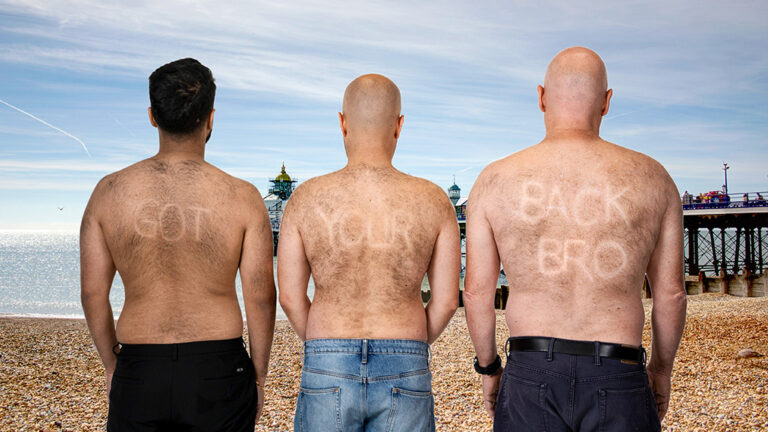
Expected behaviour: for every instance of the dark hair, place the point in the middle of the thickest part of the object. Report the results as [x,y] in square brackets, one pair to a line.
[181,94]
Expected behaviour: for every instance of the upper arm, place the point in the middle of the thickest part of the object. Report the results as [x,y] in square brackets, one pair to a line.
[256,255]
[293,269]
[665,267]
[97,269]
[445,266]
[482,254]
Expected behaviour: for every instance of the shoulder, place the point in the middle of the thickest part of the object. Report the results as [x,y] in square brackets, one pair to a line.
[490,177]
[314,188]
[427,192]
[114,184]
[651,171]
[243,189]
[644,165]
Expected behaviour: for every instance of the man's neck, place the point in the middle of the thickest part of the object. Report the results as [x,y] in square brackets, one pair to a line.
[182,149]
[572,133]
[369,162]
[372,154]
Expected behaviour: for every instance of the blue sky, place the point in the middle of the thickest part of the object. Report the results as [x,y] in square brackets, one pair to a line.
[690,82]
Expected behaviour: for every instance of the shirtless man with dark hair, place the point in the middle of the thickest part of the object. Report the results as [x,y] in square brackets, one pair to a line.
[578,223]
[178,229]
[367,234]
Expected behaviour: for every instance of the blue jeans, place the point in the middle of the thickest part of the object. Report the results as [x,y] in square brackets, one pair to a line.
[551,392]
[365,385]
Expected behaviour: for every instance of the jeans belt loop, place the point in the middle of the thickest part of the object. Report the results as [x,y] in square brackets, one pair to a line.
[365,351]
[597,353]
[429,354]
[551,348]
[506,348]
[175,352]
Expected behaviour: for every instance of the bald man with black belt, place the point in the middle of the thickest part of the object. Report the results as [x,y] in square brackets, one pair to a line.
[577,223]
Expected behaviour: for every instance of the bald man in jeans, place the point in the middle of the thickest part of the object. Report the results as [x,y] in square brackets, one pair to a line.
[578,223]
[367,234]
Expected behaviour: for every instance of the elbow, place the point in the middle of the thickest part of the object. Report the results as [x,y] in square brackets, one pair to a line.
[287,301]
[88,298]
[453,303]
[471,297]
[681,298]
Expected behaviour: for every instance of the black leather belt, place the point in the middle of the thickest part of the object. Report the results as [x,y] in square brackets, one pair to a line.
[567,346]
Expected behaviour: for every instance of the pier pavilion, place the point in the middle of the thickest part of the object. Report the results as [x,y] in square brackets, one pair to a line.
[281,190]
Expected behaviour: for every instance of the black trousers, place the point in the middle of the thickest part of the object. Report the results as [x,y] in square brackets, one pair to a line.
[554,392]
[195,386]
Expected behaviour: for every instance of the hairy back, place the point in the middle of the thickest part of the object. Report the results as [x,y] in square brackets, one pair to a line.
[368,235]
[175,235]
[575,224]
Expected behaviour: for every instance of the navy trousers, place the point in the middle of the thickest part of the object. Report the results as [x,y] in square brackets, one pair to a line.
[554,392]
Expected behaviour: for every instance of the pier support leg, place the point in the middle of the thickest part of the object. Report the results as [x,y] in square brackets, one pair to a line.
[722,252]
[715,262]
[748,249]
[736,252]
[760,249]
[693,251]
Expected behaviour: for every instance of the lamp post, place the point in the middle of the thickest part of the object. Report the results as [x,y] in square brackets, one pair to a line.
[725,170]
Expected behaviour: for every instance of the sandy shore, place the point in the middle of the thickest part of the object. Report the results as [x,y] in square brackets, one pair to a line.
[51,378]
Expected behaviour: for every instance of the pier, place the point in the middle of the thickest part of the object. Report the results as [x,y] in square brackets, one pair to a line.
[726,246]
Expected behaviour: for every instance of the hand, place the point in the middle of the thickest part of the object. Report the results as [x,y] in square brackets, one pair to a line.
[660,384]
[260,405]
[491,391]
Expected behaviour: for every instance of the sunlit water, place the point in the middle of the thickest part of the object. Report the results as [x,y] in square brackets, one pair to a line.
[40,276]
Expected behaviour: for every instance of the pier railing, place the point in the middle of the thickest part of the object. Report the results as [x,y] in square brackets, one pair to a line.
[734,200]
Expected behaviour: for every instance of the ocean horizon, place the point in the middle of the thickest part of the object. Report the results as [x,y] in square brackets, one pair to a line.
[40,276]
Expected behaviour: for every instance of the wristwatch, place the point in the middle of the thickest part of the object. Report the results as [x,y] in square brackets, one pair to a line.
[491,369]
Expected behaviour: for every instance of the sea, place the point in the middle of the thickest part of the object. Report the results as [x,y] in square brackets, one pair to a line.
[40,276]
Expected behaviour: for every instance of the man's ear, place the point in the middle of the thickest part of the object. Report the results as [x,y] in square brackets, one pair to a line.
[151,117]
[210,119]
[607,104]
[399,127]
[343,125]
[542,102]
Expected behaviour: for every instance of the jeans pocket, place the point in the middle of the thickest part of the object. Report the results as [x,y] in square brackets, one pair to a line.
[520,405]
[624,410]
[411,411]
[318,410]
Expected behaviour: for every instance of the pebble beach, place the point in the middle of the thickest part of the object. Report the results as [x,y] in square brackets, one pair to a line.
[51,378]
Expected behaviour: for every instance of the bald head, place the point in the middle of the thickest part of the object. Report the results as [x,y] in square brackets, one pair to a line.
[575,85]
[371,105]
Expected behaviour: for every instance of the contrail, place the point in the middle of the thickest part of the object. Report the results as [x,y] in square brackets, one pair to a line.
[49,125]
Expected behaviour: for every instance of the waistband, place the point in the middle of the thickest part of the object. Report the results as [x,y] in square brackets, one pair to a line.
[594,349]
[367,346]
[184,349]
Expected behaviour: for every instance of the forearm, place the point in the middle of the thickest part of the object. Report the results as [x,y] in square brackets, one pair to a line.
[101,324]
[481,322]
[439,314]
[261,330]
[667,323]
[297,311]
